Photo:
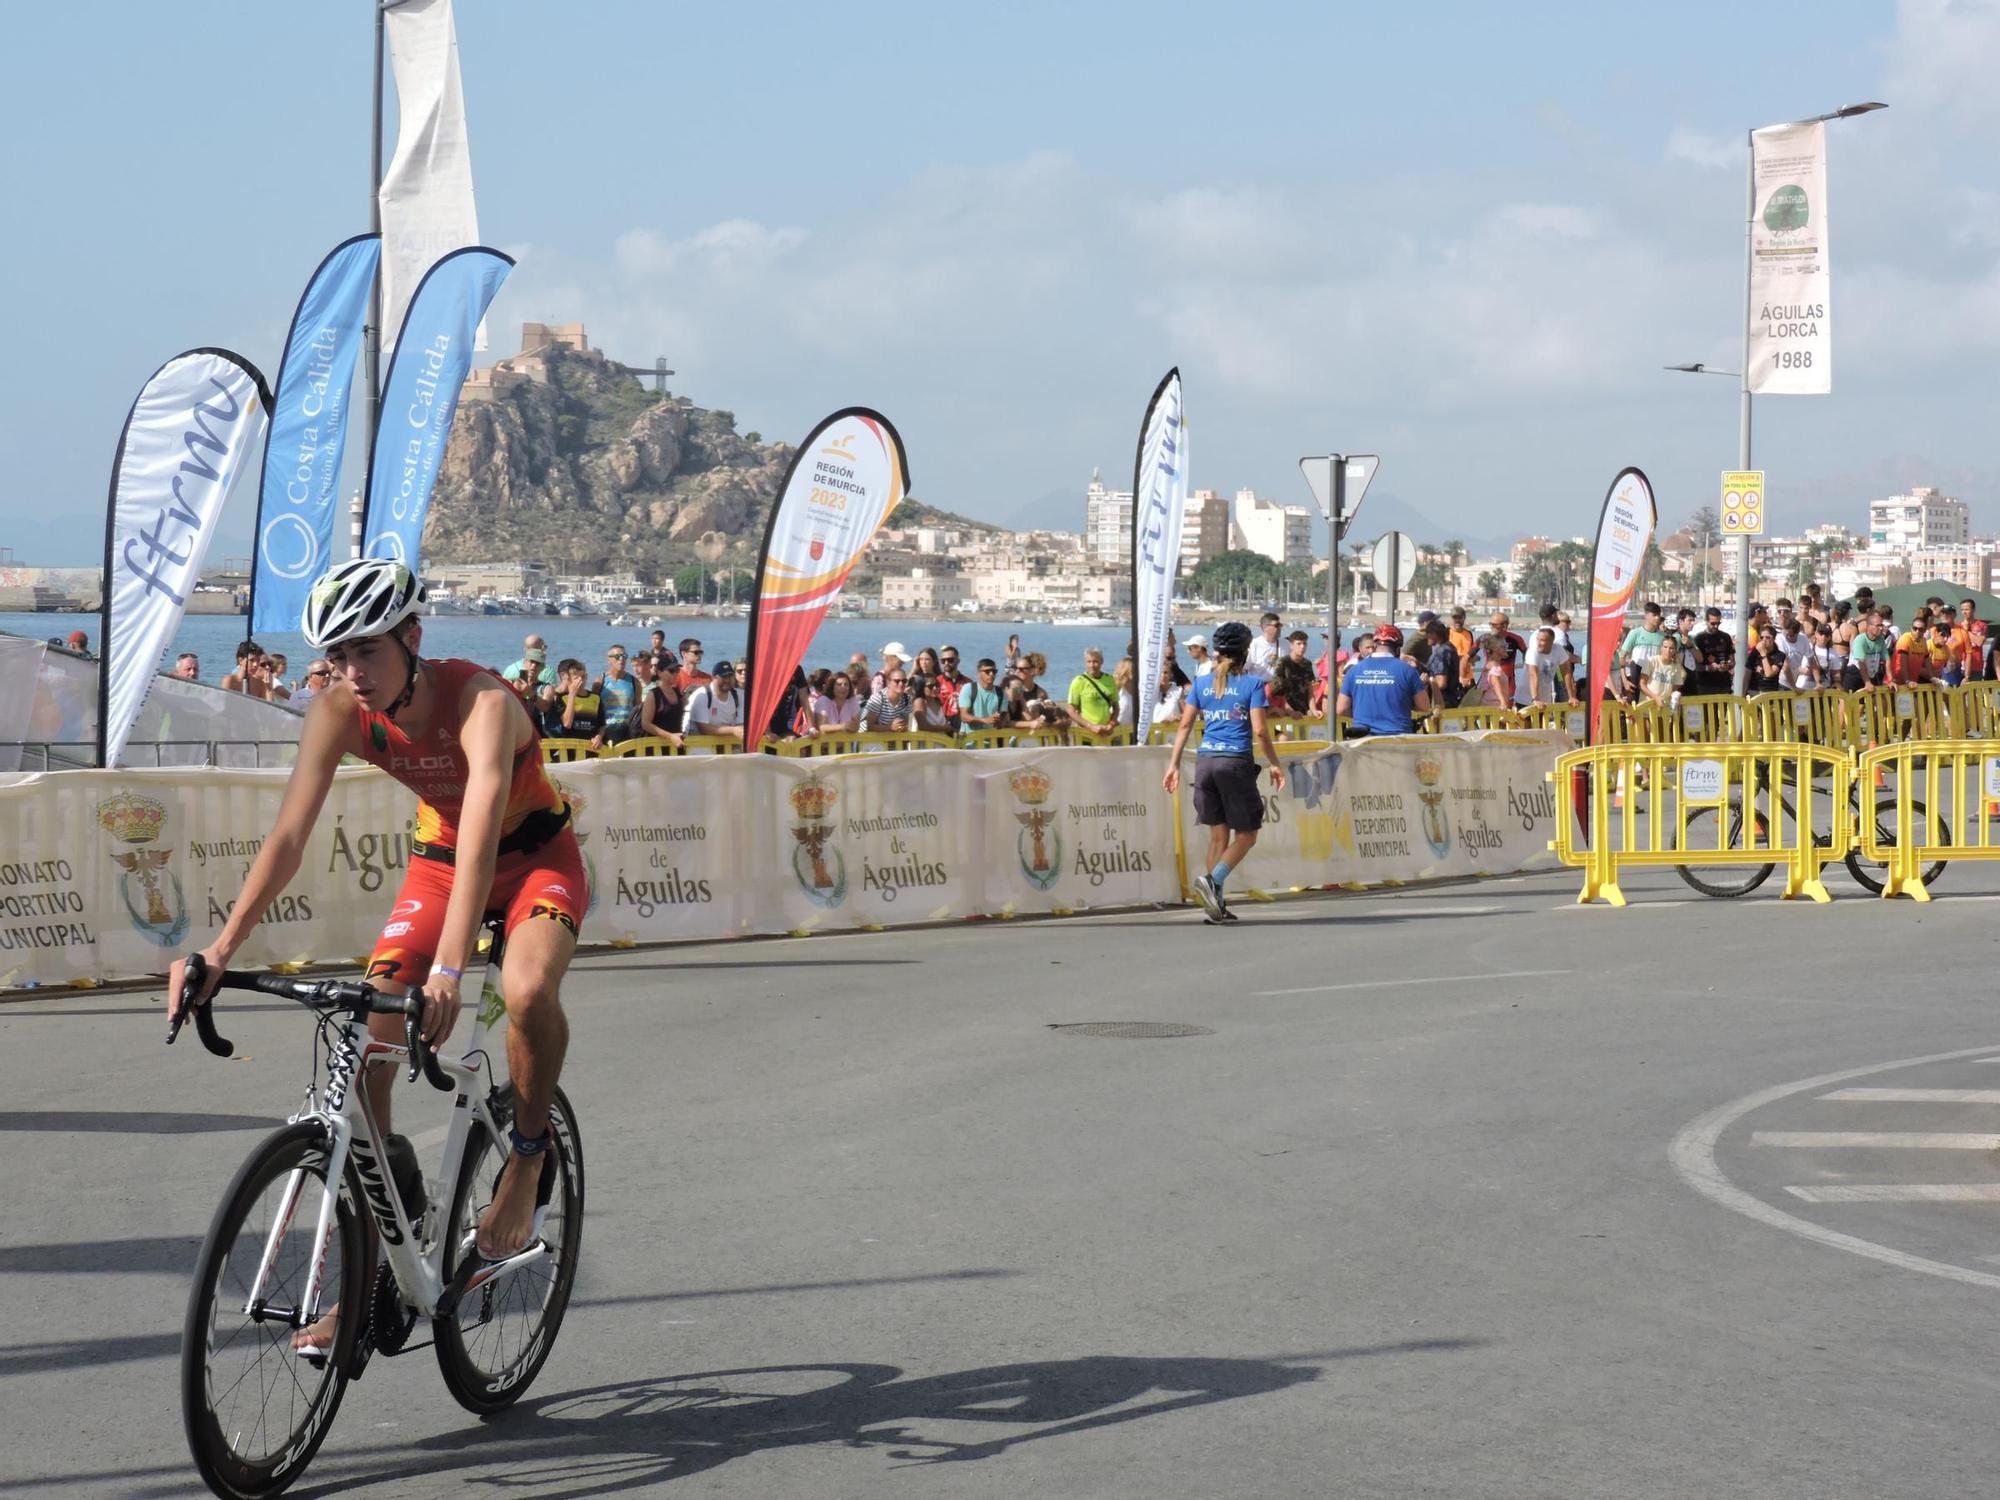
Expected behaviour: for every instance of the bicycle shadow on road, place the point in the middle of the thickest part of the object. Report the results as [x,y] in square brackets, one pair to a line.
[611,1438]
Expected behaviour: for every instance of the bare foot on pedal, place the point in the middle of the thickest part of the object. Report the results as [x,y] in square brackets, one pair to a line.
[509,1220]
[317,1338]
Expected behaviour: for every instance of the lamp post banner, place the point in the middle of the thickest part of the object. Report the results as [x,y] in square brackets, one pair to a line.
[188,438]
[1623,531]
[845,480]
[301,480]
[1159,505]
[420,396]
[1791,332]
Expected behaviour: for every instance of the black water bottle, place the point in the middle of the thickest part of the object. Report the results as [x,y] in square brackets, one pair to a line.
[407,1173]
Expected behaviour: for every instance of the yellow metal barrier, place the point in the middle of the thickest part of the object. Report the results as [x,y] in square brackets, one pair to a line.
[1976,710]
[1884,715]
[1943,795]
[860,742]
[1570,718]
[1466,719]
[1633,724]
[646,745]
[1711,719]
[1809,718]
[557,751]
[1663,805]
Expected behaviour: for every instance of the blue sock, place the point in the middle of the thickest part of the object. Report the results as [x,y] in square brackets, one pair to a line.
[1219,874]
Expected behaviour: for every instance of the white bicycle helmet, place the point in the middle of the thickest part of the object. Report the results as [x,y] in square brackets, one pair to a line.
[364,596]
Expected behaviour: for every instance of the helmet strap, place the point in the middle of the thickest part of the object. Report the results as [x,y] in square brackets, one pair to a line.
[410,684]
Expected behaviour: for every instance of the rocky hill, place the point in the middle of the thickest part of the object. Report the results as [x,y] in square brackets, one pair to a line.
[572,462]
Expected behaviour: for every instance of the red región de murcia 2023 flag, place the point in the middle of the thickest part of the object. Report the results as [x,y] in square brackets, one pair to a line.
[844,482]
[1623,532]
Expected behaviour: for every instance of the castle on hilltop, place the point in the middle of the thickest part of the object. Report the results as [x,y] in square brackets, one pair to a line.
[531,363]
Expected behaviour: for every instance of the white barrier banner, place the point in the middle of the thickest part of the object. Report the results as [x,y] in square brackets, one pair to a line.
[109,873]
[1410,807]
[1072,829]
[117,872]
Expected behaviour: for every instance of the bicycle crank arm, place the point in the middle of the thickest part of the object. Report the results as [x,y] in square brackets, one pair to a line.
[474,1272]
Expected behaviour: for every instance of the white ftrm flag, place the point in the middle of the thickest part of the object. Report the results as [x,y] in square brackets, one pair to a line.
[427,207]
[1791,333]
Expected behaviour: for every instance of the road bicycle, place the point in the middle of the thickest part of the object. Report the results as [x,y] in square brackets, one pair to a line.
[1728,880]
[299,1225]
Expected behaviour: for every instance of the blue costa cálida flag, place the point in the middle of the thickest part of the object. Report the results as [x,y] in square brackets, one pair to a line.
[433,357]
[298,494]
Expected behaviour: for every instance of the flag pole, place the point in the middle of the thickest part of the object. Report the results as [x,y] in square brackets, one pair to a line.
[372,343]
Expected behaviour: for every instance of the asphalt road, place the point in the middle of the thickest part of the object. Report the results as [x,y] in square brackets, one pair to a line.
[1468,1192]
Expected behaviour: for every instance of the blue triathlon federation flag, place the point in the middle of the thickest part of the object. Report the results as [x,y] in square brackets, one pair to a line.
[419,397]
[298,495]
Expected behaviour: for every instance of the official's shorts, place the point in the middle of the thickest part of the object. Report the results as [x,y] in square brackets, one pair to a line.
[1226,793]
[547,882]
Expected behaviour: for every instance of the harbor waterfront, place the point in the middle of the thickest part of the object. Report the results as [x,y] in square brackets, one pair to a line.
[495,640]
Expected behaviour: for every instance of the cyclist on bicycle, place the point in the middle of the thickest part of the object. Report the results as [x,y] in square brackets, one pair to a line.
[492,834]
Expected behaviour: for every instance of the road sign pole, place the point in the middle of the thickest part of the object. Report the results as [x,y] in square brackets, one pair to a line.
[1395,571]
[1335,531]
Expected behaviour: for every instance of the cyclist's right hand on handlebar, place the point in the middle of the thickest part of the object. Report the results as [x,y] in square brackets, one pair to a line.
[214,961]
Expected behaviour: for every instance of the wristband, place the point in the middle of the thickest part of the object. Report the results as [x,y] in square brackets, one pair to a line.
[447,971]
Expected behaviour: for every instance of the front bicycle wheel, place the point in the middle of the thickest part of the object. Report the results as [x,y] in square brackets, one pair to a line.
[493,1343]
[1872,873]
[255,1411]
[1704,830]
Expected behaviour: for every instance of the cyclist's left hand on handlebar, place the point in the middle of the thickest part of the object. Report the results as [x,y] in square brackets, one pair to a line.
[441,1004]
[216,961]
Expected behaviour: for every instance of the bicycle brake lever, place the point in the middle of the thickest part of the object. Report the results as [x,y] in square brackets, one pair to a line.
[414,1042]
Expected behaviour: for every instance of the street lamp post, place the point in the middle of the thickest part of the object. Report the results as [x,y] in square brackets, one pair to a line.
[1744,643]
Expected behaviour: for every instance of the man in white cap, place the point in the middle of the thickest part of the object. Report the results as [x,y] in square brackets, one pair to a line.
[1198,653]
[893,657]
[533,649]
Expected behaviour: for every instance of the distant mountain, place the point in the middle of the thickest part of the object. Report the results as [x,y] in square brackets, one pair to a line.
[1842,496]
[1053,510]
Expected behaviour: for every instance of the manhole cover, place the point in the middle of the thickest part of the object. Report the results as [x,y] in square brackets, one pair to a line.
[1131,1030]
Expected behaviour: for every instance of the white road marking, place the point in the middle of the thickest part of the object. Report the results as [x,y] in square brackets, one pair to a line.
[1889,1140]
[1693,1158]
[1903,1192]
[1383,984]
[1915,1096]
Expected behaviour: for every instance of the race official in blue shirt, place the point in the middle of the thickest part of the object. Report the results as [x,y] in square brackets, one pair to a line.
[1383,693]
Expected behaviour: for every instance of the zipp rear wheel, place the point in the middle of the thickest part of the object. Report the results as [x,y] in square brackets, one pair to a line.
[493,1343]
[256,1412]
[1704,830]
[1872,874]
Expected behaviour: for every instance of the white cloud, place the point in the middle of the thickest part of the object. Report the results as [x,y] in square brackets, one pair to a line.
[1944,57]
[1717,151]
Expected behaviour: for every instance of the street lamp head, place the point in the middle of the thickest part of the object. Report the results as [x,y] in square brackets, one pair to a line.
[1698,368]
[1848,111]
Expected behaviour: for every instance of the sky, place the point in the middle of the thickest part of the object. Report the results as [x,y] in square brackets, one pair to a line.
[1465,237]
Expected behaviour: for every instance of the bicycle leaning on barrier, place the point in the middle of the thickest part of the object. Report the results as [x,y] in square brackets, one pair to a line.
[295,1237]
[1748,824]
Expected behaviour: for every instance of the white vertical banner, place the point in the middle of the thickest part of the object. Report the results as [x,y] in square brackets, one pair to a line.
[1791,335]
[426,194]
[190,435]
[1159,506]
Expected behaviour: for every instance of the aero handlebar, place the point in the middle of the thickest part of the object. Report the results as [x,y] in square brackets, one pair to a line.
[351,996]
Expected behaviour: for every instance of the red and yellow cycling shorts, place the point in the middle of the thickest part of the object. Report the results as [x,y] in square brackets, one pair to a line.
[546,882]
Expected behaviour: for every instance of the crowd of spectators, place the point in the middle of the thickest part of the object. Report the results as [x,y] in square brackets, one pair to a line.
[666,692]
[670,692]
